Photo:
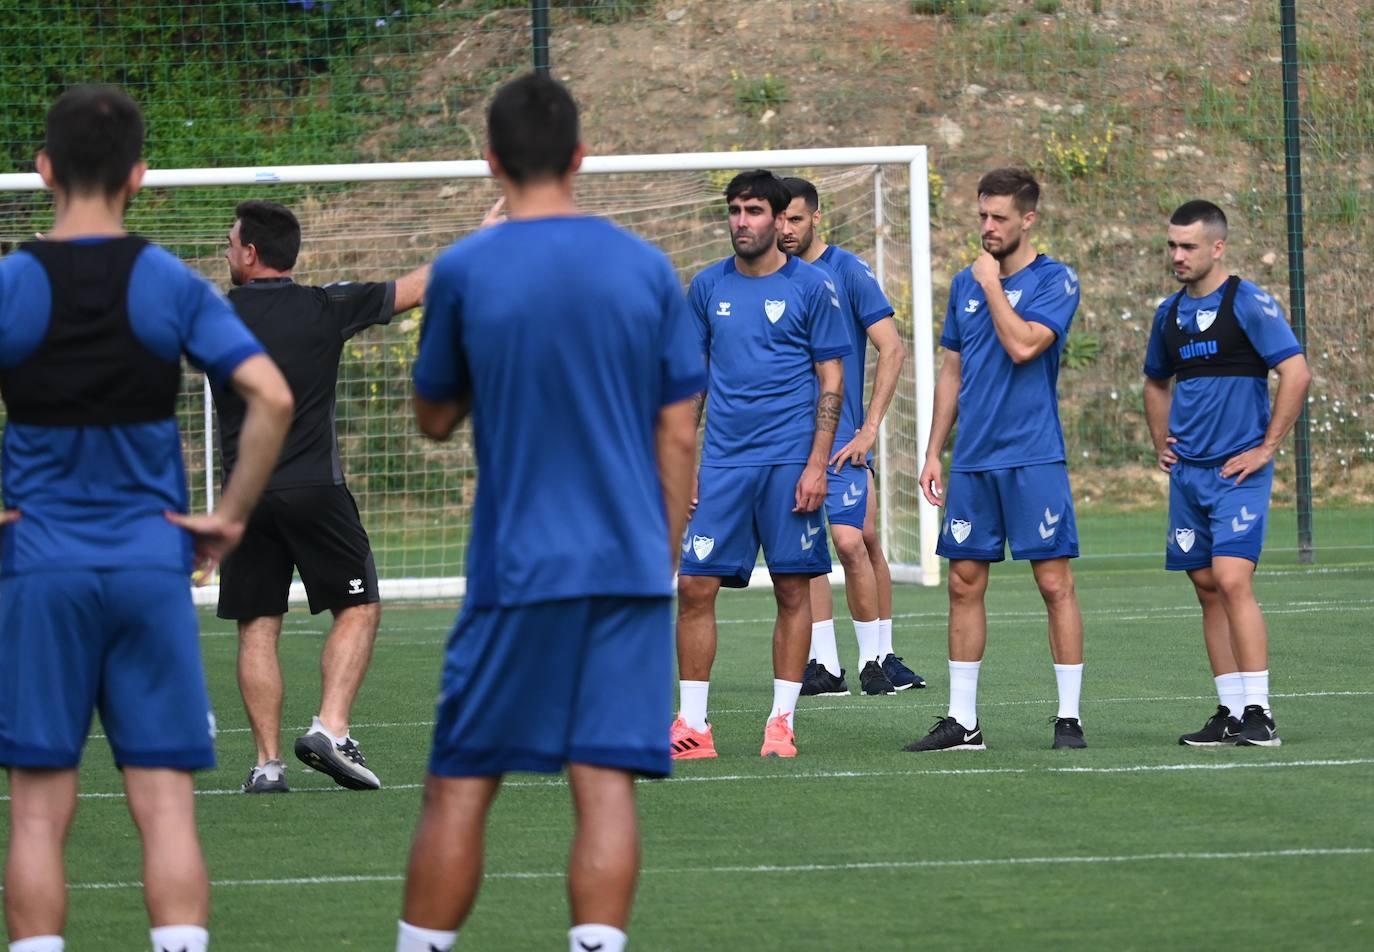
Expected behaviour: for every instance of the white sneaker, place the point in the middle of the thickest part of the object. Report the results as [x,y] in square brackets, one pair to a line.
[342,761]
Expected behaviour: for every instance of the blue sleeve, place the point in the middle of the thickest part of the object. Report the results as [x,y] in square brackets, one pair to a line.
[866,297]
[829,337]
[1263,321]
[441,372]
[949,334]
[25,307]
[1158,364]
[683,368]
[1054,302]
[698,297]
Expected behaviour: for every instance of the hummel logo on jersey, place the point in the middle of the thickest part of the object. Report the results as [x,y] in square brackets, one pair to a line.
[1244,521]
[831,285]
[702,546]
[808,538]
[960,528]
[723,309]
[1205,319]
[1267,304]
[774,309]
[210,720]
[1050,525]
[1070,282]
[971,306]
[686,543]
[868,271]
[355,586]
[1185,539]
[851,495]
[1013,297]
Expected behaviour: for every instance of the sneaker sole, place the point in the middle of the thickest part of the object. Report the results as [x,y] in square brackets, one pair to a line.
[844,693]
[316,760]
[938,750]
[696,755]
[274,788]
[1205,743]
[776,755]
[1082,745]
[1271,742]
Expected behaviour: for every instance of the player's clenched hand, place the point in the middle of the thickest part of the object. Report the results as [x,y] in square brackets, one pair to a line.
[1243,464]
[855,452]
[1167,457]
[986,269]
[215,537]
[811,488]
[931,486]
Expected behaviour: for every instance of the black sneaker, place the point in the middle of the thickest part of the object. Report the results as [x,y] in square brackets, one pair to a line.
[1221,730]
[1257,728]
[1068,734]
[269,778]
[873,681]
[900,675]
[949,734]
[344,761]
[819,682]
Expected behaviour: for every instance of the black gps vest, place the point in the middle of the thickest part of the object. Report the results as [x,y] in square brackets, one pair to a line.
[1222,350]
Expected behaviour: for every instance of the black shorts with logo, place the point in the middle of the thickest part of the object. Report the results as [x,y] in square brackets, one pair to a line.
[315,529]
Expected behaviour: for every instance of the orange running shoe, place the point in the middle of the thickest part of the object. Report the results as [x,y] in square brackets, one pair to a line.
[778,739]
[689,743]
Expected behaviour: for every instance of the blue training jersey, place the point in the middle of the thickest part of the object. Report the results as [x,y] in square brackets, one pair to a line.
[1215,417]
[94,496]
[1009,413]
[863,304]
[568,334]
[762,338]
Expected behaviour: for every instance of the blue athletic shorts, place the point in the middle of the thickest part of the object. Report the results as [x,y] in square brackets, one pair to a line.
[846,500]
[536,687]
[1030,507]
[743,507]
[1210,515]
[124,643]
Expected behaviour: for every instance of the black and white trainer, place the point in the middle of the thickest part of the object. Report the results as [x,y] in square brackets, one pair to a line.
[1068,734]
[1221,730]
[269,778]
[819,682]
[1257,729]
[874,681]
[343,761]
[949,734]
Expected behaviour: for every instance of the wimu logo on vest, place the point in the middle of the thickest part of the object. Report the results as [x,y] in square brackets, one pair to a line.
[1198,348]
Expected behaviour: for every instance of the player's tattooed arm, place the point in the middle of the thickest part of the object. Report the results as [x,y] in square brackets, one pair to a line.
[699,403]
[828,412]
[811,486]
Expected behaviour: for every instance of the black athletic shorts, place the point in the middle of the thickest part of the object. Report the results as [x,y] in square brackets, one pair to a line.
[315,529]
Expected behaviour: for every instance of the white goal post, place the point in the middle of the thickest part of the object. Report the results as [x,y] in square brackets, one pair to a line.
[372,221]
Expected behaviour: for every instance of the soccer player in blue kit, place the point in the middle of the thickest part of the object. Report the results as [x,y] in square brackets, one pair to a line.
[1215,436]
[1005,328]
[95,601]
[774,340]
[850,503]
[570,343]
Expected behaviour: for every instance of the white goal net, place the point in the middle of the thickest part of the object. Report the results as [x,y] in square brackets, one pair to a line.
[376,222]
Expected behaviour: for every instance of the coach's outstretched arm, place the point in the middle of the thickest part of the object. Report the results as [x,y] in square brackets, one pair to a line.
[410,288]
[941,422]
[811,487]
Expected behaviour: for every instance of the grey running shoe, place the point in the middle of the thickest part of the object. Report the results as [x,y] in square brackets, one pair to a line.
[269,778]
[344,761]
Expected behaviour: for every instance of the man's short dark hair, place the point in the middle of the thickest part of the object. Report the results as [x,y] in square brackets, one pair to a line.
[94,139]
[761,184]
[1017,182]
[1212,217]
[272,229]
[532,128]
[801,188]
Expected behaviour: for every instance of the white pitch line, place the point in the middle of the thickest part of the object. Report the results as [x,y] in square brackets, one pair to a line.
[916,864]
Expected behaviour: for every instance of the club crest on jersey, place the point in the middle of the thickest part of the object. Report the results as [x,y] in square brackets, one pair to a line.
[1185,539]
[1013,297]
[960,528]
[1205,319]
[702,546]
[774,309]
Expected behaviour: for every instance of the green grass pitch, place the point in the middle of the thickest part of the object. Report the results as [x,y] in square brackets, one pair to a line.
[1135,843]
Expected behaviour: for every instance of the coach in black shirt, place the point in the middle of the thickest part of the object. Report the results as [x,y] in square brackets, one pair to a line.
[307,518]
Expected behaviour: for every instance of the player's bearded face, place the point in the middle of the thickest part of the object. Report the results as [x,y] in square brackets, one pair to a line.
[1002,225]
[753,227]
[798,229]
[233,256]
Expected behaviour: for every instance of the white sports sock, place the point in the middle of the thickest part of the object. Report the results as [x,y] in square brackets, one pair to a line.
[963,692]
[1256,688]
[317,727]
[785,694]
[411,938]
[1231,692]
[180,939]
[823,646]
[1070,678]
[693,709]
[867,634]
[593,937]
[38,943]
[885,637]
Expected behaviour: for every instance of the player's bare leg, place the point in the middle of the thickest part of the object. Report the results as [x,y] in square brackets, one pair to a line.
[605,849]
[260,683]
[1250,644]
[898,674]
[968,638]
[696,626]
[861,591]
[791,645]
[42,804]
[1055,581]
[445,867]
[343,663]
[176,886]
[1223,727]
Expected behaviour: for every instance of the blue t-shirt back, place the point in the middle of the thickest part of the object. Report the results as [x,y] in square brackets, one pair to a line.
[569,334]
[1009,413]
[762,338]
[862,301]
[94,497]
[1214,418]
